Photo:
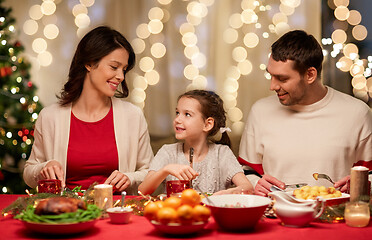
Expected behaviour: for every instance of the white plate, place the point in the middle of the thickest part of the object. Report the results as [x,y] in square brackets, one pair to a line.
[329,201]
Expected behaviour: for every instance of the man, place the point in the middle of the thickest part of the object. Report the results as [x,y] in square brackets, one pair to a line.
[311,129]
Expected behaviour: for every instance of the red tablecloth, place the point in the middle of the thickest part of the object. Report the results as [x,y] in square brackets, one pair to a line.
[140,228]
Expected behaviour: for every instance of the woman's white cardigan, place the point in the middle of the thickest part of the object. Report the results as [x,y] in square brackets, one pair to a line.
[52,131]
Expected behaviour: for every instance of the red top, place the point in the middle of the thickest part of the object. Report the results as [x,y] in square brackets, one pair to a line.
[92,154]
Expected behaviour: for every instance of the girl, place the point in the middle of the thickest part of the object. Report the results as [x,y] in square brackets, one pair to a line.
[91,135]
[214,168]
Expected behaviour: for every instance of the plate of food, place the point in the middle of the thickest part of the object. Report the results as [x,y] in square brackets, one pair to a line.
[178,228]
[331,195]
[60,215]
[60,228]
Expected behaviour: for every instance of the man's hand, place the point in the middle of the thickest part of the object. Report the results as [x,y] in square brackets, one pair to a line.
[263,185]
[343,184]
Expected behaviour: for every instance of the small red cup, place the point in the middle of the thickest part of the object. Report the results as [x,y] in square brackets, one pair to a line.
[177,186]
[49,186]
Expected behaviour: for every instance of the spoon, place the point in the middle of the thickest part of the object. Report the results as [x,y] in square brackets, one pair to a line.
[289,198]
[286,196]
[274,188]
[205,195]
[322,175]
[295,185]
[123,194]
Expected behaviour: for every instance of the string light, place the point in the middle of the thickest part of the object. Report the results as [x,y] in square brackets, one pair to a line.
[249,18]
[349,61]
[149,35]
[196,11]
[51,31]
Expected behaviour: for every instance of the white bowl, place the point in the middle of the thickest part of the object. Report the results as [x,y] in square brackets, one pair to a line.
[120,215]
[237,212]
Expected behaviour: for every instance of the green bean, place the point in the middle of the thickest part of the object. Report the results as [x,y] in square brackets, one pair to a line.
[80,215]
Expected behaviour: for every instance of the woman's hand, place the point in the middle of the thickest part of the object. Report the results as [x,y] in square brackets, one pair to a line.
[118,180]
[53,170]
[182,172]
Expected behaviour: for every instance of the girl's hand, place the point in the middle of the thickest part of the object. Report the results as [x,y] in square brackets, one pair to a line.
[118,180]
[182,172]
[53,170]
[235,190]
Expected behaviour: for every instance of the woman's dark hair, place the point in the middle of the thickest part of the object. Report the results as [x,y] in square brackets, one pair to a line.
[211,106]
[95,45]
[301,48]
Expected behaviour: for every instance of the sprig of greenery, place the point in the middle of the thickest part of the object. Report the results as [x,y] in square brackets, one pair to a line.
[77,189]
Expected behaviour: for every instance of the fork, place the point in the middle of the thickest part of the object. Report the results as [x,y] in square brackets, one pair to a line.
[324,176]
[191,159]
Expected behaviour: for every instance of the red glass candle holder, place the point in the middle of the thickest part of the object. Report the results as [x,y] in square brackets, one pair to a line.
[49,186]
[177,186]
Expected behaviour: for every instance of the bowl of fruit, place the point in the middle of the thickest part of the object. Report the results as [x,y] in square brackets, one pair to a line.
[178,215]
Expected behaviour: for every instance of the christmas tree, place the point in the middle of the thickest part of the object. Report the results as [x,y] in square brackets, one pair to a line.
[19,107]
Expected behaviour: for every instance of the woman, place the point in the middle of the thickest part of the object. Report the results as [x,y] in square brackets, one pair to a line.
[91,135]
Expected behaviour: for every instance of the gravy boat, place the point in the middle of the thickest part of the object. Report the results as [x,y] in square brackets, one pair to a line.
[293,213]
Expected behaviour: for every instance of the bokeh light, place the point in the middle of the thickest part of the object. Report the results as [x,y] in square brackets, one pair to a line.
[251,40]
[51,31]
[339,36]
[48,7]
[35,12]
[359,32]
[342,13]
[158,50]
[39,45]
[30,27]
[354,17]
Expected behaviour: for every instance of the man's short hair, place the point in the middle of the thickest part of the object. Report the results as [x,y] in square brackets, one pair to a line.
[300,47]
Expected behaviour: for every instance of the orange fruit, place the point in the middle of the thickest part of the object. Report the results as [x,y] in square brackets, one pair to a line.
[160,203]
[151,210]
[185,214]
[201,213]
[167,215]
[172,202]
[190,197]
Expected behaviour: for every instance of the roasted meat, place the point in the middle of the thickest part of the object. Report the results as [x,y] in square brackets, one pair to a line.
[58,205]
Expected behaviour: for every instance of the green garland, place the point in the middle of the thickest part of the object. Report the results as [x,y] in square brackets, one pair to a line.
[335,213]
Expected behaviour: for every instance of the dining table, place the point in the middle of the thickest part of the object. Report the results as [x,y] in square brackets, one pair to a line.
[140,228]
